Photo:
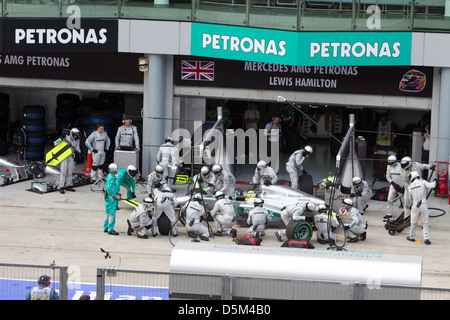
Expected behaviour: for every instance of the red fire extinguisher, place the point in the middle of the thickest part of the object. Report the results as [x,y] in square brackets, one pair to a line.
[442,177]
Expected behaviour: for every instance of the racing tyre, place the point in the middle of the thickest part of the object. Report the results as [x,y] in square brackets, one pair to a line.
[164,225]
[299,230]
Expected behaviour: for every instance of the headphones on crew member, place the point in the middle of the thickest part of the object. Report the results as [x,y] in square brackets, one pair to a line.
[126,118]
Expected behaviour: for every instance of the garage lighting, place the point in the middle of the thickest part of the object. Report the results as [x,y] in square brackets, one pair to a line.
[143,64]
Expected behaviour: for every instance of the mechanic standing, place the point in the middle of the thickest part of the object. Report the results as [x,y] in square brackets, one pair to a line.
[194,213]
[265,173]
[140,219]
[224,215]
[418,190]
[112,197]
[66,166]
[357,226]
[98,143]
[43,291]
[166,157]
[407,167]
[166,202]
[360,193]
[224,180]
[393,176]
[155,180]
[295,211]
[127,135]
[258,218]
[324,222]
[296,162]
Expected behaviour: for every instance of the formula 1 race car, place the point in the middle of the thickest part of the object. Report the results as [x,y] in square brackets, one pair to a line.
[276,198]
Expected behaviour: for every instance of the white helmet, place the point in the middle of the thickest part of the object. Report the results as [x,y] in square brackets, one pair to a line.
[322,208]
[348,202]
[131,170]
[166,188]
[159,169]
[258,202]
[308,150]
[310,206]
[219,194]
[204,170]
[406,162]
[261,165]
[356,180]
[197,196]
[413,176]
[168,139]
[113,168]
[216,169]
[391,160]
[74,133]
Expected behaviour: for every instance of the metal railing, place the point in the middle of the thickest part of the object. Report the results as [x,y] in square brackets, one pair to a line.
[16,280]
[292,15]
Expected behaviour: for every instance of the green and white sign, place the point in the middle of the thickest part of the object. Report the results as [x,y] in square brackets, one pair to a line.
[301,48]
[239,43]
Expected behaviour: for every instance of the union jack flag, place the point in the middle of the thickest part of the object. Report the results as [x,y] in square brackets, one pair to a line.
[197,70]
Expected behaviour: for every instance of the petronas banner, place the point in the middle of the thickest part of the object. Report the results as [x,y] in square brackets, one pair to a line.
[385,80]
[301,48]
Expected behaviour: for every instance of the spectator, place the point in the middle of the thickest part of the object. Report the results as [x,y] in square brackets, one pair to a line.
[251,116]
[385,132]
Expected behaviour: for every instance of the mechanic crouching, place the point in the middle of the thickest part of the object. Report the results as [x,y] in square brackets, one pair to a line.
[356,229]
[194,213]
[258,218]
[224,215]
[140,219]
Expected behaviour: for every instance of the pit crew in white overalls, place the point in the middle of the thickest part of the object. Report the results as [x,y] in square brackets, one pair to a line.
[265,174]
[294,211]
[324,222]
[166,202]
[258,218]
[296,162]
[224,215]
[418,190]
[140,219]
[98,143]
[66,166]
[194,213]
[393,176]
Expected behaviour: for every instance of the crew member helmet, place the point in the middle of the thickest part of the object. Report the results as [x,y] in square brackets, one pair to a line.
[406,162]
[216,169]
[413,176]
[113,168]
[311,207]
[261,165]
[131,170]
[258,202]
[391,160]
[204,170]
[347,202]
[322,208]
[197,196]
[308,150]
[159,169]
[219,195]
[74,133]
[356,180]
